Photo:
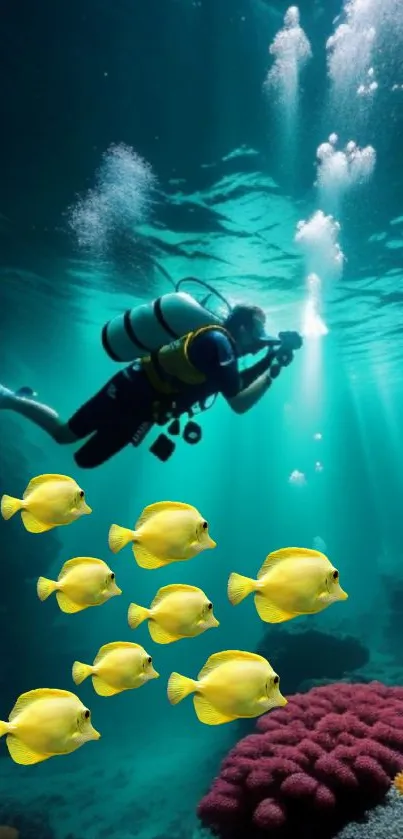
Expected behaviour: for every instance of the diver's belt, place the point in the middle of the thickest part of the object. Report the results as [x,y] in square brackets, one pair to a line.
[169,370]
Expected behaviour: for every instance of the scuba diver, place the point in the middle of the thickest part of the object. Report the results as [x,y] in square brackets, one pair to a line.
[181,355]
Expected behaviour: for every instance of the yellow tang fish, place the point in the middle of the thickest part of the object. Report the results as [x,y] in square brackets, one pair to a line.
[168,531]
[45,723]
[291,582]
[232,685]
[48,501]
[118,666]
[177,611]
[82,582]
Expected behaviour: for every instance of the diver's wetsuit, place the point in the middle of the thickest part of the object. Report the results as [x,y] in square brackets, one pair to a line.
[117,411]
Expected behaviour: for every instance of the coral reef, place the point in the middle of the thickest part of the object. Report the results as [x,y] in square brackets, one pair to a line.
[312,766]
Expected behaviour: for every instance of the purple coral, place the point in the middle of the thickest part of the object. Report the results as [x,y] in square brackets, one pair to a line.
[312,766]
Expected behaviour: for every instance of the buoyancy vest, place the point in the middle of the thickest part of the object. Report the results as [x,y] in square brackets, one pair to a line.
[170,370]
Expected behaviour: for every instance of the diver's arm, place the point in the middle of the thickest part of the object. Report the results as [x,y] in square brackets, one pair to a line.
[247,398]
[251,374]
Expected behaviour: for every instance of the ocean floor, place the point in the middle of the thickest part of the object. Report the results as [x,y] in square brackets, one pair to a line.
[113,793]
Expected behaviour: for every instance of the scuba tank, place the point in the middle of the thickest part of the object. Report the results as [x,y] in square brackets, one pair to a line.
[148,327]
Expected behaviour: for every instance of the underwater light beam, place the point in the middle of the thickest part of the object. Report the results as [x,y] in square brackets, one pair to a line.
[291,51]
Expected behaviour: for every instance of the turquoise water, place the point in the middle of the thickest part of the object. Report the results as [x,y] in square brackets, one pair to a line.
[148,143]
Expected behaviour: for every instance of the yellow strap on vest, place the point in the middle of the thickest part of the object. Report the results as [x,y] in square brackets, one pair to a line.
[173,360]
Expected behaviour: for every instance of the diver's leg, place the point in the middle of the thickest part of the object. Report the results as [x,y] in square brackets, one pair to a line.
[41,415]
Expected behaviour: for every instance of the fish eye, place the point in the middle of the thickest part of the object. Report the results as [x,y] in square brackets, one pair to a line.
[87,714]
[209,606]
[335,575]
[112,576]
[205,525]
[149,659]
[81,493]
[276,680]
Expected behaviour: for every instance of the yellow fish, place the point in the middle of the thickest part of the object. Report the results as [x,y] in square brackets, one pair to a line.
[82,582]
[291,582]
[45,723]
[48,501]
[231,685]
[118,666]
[177,611]
[168,531]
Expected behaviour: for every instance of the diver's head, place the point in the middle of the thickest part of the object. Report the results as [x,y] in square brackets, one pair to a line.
[246,325]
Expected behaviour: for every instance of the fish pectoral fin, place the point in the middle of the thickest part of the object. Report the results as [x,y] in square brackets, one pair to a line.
[32,524]
[269,612]
[207,713]
[145,559]
[67,605]
[160,635]
[103,689]
[21,753]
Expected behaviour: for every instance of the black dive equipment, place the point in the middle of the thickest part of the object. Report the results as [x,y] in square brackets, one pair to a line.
[281,355]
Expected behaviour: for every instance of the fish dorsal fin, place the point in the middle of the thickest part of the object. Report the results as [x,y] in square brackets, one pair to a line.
[287,553]
[224,657]
[172,589]
[43,479]
[161,507]
[27,699]
[79,560]
[115,645]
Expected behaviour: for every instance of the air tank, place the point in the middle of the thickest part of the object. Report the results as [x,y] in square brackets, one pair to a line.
[148,327]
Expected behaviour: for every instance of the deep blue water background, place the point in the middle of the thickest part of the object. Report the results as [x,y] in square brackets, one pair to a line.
[181,83]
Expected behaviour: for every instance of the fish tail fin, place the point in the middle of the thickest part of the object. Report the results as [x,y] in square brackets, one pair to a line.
[179,687]
[81,671]
[136,615]
[4,728]
[10,506]
[119,537]
[45,588]
[239,587]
